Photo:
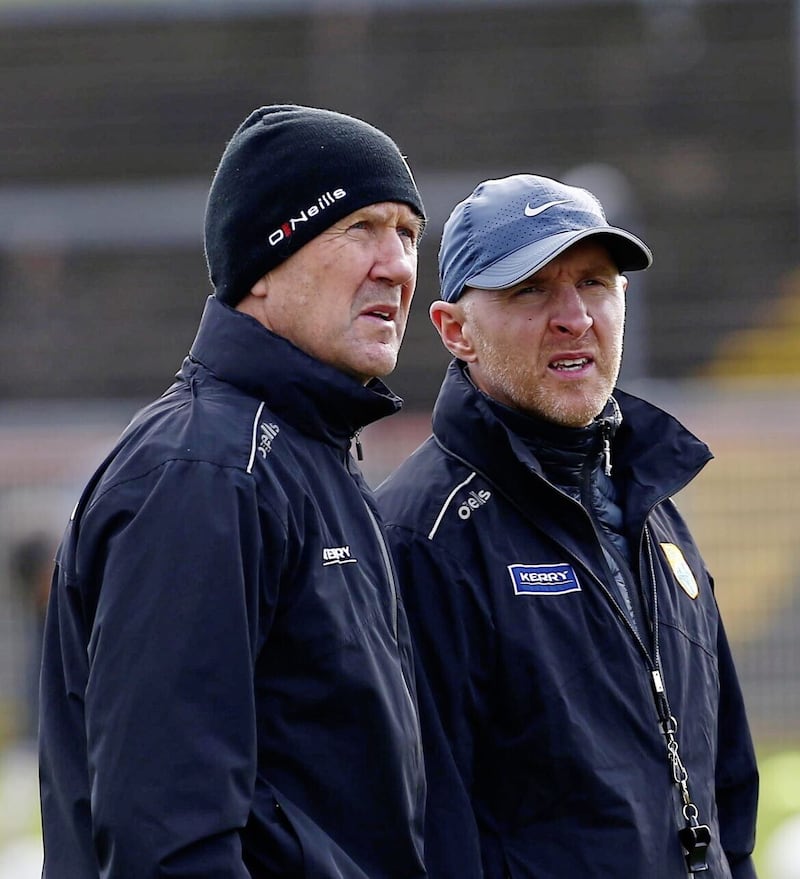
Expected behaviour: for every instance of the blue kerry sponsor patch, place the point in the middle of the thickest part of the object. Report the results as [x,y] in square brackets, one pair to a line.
[543,579]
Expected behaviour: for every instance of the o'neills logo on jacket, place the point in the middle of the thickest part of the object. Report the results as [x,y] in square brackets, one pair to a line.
[286,230]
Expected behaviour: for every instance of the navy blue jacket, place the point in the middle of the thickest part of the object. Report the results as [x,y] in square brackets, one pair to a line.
[227,687]
[545,755]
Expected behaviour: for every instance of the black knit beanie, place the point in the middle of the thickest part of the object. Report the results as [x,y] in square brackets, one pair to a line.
[288,174]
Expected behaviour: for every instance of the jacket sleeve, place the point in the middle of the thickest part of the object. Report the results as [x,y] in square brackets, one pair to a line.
[451,638]
[737,774]
[177,563]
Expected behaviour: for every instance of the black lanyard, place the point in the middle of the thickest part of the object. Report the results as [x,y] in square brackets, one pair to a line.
[694,837]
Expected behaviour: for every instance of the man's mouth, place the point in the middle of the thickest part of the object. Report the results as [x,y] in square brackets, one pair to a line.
[384,314]
[571,364]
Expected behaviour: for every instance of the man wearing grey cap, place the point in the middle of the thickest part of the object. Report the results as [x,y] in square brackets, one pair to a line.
[581,713]
[226,685]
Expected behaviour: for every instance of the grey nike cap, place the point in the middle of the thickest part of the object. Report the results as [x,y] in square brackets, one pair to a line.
[508,229]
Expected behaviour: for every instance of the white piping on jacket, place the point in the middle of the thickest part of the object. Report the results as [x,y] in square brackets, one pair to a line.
[447,504]
[254,441]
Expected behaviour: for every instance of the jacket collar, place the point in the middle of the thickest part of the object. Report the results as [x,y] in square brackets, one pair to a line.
[314,397]
[654,455]
[564,453]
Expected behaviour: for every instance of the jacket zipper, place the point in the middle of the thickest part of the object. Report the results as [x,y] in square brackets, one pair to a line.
[389,571]
[387,566]
[694,836]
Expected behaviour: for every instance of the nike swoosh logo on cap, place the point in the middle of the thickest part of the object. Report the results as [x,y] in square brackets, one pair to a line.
[534,212]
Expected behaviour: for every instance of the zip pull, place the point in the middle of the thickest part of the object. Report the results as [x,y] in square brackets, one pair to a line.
[606,452]
[607,427]
[357,440]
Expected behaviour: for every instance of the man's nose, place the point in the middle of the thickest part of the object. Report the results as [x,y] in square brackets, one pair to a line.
[395,261]
[569,313]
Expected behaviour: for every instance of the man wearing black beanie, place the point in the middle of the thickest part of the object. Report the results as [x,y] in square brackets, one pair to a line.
[226,683]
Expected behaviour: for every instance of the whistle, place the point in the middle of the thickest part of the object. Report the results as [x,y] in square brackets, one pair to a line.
[695,841]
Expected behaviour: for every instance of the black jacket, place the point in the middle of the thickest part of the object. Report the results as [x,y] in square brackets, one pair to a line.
[226,687]
[544,750]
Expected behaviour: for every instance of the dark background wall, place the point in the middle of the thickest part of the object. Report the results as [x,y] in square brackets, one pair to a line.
[691,104]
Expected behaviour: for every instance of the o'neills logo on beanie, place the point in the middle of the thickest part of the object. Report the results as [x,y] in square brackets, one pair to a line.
[286,230]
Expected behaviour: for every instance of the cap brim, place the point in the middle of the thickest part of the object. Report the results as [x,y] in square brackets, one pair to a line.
[629,253]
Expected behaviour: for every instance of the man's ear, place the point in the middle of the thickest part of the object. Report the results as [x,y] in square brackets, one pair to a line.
[254,303]
[449,319]
[259,289]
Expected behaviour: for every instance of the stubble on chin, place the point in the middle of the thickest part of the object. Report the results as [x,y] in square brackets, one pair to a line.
[575,408]
[519,386]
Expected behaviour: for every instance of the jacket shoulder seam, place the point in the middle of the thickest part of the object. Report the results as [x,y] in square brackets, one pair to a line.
[119,483]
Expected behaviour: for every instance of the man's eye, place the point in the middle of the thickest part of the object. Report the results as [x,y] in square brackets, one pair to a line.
[600,283]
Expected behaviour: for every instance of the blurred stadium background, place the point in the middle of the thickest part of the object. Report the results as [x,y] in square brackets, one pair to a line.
[683,115]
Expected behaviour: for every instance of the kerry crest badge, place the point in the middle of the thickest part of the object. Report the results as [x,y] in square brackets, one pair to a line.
[681,570]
